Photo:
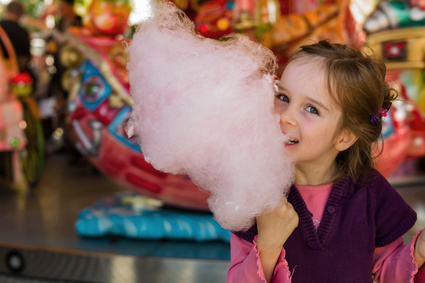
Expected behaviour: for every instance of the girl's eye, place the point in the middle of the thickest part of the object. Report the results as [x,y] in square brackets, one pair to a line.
[282,97]
[312,110]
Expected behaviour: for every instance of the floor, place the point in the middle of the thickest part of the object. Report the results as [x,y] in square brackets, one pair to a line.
[40,226]
[38,242]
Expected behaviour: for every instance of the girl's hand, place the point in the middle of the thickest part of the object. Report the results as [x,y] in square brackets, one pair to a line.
[274,228]
[419,252]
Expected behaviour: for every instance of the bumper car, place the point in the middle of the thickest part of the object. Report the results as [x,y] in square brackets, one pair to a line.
[99,106]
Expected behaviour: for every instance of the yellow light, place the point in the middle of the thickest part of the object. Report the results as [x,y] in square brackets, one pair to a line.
[223,24]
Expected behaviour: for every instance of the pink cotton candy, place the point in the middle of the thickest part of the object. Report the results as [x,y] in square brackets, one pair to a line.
[204,108]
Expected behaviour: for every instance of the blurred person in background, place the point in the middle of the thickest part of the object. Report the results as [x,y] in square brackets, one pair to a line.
[17,34]
[67,18]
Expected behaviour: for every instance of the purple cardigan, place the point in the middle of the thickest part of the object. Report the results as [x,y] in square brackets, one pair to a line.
[358,217]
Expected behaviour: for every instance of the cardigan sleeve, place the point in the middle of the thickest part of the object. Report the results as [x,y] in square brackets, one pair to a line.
[245,265]
[393,216]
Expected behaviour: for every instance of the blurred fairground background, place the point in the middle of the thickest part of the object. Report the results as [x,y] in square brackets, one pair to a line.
[78,201]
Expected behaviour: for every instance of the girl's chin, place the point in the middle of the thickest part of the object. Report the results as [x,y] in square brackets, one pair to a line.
[288,145]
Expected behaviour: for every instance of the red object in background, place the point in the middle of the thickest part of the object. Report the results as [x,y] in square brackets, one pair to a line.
[105,114]
[214,18]
[395,51]
[395,148]
[417,139]
[417,135]
[107,18]
[417,129]
[22,78]
[418,3]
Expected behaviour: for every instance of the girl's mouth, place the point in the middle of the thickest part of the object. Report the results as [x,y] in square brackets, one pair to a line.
[291,141]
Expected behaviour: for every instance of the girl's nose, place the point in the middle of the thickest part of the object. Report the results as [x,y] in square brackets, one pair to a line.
[288,118]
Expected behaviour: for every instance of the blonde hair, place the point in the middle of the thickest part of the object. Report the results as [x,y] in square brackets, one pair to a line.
[356,81]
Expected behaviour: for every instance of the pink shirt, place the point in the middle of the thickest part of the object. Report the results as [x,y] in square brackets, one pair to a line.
[393,263]
[315,198]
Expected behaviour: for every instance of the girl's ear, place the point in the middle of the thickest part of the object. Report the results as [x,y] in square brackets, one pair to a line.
[345,140]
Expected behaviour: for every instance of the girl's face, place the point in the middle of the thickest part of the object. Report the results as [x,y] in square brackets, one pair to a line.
[308,115]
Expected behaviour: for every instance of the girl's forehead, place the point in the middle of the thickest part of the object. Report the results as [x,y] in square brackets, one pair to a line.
[303,78]
[301,73]
[307,62]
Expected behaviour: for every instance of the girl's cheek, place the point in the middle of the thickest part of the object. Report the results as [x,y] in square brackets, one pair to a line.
[309,117]
[279,107]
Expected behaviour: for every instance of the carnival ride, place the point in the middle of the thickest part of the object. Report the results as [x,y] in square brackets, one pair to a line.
[99,107]
[100,104]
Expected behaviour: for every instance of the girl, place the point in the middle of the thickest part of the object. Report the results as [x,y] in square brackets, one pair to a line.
[341,221]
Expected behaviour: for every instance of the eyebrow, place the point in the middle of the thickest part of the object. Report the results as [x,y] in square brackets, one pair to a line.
[314,101]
